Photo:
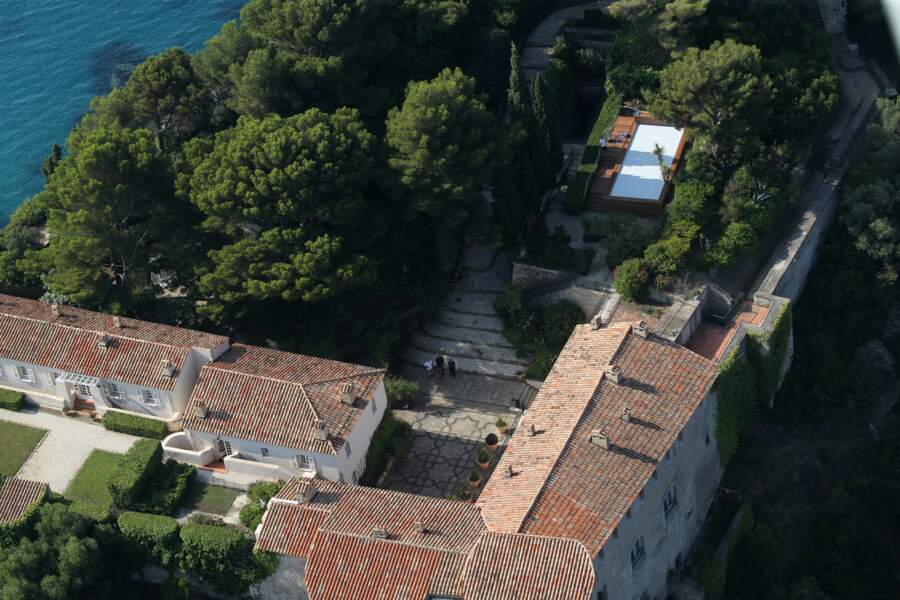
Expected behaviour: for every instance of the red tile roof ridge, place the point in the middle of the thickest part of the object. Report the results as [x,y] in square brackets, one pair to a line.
[323,530]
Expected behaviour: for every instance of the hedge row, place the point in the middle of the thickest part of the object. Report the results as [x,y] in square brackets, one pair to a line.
[576,193]
[129,481]
[154,537]
[135,425]
[11,400]
[13,531]
[88,510]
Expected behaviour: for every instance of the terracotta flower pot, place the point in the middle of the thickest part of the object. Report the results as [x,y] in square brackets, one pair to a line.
[485,465]
[474,484]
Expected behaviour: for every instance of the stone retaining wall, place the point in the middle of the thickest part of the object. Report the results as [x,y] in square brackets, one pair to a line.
[526,276]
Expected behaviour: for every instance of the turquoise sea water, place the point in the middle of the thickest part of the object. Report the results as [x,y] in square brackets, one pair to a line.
[55,55]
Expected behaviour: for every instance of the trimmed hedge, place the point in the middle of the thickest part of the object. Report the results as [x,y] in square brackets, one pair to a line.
[129,481]
[221,555]
[135,425]
[12,532]
[166,488]
[154,537]
[94,512]
[11,400]
[576,193]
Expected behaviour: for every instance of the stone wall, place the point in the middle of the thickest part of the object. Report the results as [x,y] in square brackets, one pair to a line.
[526,276]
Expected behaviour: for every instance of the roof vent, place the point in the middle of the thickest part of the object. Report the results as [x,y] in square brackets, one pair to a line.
[347,395]
[54,308]
[640,328]
[614,374]
[306,491]
[597,322]
[104,342]
[379,533]
[626,414]
[117,322]
[600,438]
[201,410]
[419,526]
[531,430]
[168,368]
[320,431]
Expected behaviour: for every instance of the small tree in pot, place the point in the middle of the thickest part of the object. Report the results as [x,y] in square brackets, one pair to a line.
[474,479]
[501,425]
[491,441]
[484,459]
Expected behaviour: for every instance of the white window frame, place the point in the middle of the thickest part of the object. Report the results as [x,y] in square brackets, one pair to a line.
[25,374]
[84,390]
[150,397]
[224,447]
[302,461]
[115,391]
[670,501]
[638,551]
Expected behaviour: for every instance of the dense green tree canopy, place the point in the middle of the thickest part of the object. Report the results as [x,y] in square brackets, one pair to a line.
[283,192]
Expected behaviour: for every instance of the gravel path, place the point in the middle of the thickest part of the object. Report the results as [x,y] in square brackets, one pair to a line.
[65,447]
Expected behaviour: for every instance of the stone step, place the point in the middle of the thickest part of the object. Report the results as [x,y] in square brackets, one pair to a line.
[417,358]
[457,349]
[466,334]
[481,322]
[473,303]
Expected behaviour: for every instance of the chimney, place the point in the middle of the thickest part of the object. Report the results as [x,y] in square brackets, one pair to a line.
[599,438]
[104,342]
[531,430]
[640,328]
[117,322]
[54,308]
[509,470]
[379,533]
[306,491]
[419,526]
[614,374]
[168,369]
[320,431]
[626,414]
[596,322]
[347,394]
[200,410]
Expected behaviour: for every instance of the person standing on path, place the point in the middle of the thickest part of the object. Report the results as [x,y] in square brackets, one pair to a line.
[429,368]
[439,363]
[451,366]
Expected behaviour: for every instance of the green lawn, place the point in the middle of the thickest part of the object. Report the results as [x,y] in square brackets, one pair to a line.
[89,484]
[208,498]
[18,442]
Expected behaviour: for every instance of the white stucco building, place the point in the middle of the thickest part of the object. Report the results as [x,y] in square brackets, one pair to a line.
[63,357]
[264,414]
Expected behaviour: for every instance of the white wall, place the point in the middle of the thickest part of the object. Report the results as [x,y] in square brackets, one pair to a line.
[353,466]
[694,467]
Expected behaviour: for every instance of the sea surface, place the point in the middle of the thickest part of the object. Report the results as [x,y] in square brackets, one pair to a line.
[55,55]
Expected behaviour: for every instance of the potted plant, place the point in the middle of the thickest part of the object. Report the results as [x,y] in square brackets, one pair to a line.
[501,425]
[474,479]
[491,440]
[484,459]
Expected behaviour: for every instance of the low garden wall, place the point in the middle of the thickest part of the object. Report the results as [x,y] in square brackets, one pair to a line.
[525,276]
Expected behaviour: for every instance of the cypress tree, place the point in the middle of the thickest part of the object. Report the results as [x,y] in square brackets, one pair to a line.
[515,95]
[541,134]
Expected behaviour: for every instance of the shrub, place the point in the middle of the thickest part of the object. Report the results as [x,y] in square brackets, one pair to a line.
[509,303]
[216,553]
[392,438]
[260,493]
[550,250]
[94,512]
[11,400]
[135,425]
[668,255]
[631,280]
[491,439]
[557,322]
[738,240]
[154,537]
[597,17]
[540,366]
[400,391]
[624,237]
[13,531]
[693,200]
[130,479]
[168,486]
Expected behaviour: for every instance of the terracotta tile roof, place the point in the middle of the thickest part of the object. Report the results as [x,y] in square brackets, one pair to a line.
[344,560]
[527,567]
[555,412]
[31,333]
[276,397]
[17,495]
[588,489]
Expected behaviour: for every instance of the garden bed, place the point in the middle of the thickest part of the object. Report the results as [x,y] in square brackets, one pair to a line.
[208,498]
[19,442]
[89,484]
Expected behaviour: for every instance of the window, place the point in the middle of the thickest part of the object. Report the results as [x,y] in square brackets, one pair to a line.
[150,397]
[115,391]
[2,373]
[347,448]
[707,439]
[51,378]
[637,552]
[25,374]
[224,447]
[671,499]
[83,390]
[303,462]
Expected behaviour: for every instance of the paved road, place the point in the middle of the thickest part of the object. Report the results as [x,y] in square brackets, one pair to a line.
[65,447]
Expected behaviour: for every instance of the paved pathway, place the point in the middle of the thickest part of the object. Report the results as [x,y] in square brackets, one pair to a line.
[65,447]
[447,435]
[536,51]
